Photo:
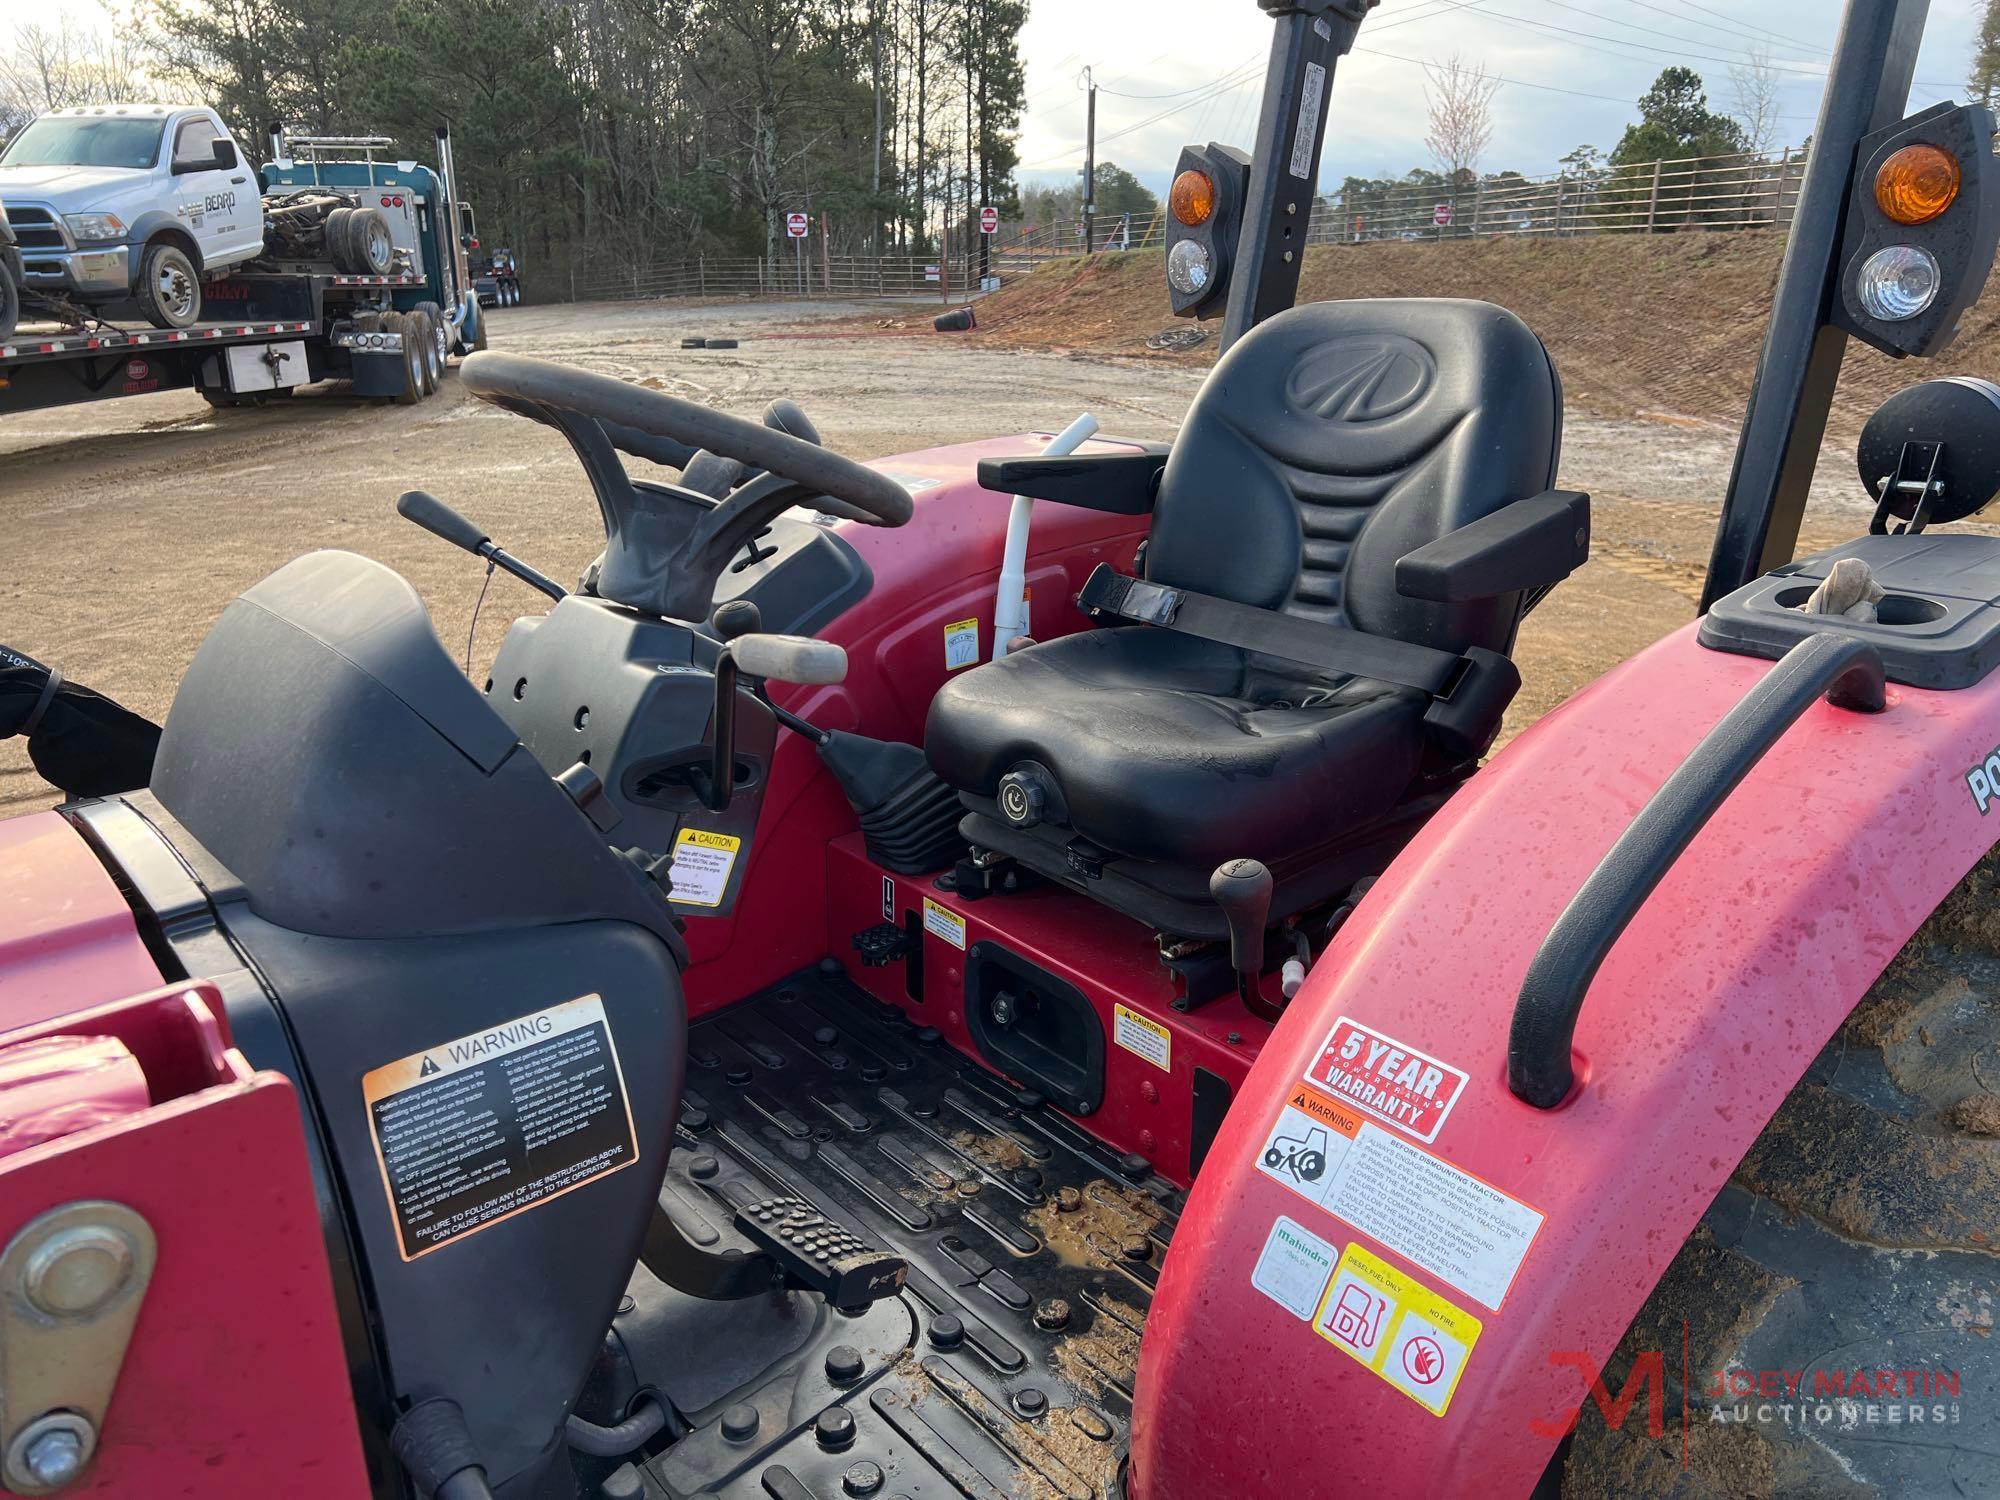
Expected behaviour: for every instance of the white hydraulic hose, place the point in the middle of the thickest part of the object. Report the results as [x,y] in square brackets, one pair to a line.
[1010,610]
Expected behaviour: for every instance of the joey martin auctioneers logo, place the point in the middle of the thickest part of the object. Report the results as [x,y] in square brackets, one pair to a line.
[1817,1397]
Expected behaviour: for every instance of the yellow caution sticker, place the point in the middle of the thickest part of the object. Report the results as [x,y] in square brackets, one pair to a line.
[941,921]
[702,864]
[961,644]
[1143,1035]
[1402,1330]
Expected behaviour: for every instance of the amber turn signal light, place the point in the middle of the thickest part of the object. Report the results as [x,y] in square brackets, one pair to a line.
[1917,183]
[1192,198]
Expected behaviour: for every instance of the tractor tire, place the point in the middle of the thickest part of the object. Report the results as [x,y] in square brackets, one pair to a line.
[1857,1237]
[169,287]
[414,335]
[440,340]
[334,231]
[519,295]
[371,247]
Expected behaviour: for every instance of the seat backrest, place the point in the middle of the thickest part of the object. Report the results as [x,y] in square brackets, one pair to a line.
[1336,437]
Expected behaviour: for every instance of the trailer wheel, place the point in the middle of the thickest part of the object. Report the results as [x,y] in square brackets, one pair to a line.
[169,290]
[418,324]
[440,339]
[1850,1256]
[413,356]
[10,303]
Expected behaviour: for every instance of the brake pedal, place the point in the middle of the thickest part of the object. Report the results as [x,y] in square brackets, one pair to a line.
[818,1254]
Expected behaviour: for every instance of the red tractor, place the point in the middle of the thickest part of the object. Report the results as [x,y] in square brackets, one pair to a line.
[777,1035]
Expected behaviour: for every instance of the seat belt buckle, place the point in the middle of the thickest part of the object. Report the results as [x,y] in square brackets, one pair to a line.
[1149,603]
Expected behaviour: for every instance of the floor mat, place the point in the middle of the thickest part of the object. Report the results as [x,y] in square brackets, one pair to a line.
[1005,1367]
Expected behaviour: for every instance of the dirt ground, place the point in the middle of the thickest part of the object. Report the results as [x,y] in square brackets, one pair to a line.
[129,524]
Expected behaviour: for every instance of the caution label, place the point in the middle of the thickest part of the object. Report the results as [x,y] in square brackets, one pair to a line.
[1463,1230]
[1397,1327]
[1141,1035]
[961,644]
[702,865]
[475,1130]
[943,922]
[1383,1077]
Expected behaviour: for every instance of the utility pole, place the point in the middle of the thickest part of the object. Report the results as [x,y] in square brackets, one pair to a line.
[1089,161]
[875,223]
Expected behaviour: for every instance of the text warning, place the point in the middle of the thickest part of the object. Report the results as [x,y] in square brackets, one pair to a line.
[473,1130]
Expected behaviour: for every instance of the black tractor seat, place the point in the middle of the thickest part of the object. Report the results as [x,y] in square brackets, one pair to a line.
[1346,535]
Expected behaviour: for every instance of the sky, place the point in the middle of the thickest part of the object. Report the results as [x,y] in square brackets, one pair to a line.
[1574,68]
[1174,71]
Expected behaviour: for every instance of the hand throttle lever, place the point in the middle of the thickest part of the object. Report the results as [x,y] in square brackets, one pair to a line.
[440,520]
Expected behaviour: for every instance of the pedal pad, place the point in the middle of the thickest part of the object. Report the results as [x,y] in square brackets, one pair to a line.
[818,1254]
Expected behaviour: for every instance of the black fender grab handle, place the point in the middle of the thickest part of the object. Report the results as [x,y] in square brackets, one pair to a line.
[1847,671]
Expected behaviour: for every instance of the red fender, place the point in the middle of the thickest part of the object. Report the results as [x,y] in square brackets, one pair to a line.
[1757,944]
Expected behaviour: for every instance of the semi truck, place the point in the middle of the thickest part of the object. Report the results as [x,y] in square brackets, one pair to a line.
[496,271]
[355,275]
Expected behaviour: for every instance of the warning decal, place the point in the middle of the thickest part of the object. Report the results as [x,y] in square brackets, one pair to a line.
[961,644]
[942,921]
[1393,1082]
[702,862]
[1397,1327]
[474,1130]
[1149,1039]
[1463,1230]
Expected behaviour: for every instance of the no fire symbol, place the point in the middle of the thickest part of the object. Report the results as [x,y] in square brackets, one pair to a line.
[1423,1360]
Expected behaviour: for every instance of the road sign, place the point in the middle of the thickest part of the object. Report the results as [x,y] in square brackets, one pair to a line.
[796,225]
[989,219]
[1441,215]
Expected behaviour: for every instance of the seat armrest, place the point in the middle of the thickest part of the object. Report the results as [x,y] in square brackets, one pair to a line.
[1122,484]
[1530,544]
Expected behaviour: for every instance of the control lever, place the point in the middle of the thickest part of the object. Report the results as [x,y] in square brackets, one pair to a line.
[777,658]
[1242,888]
[440,520]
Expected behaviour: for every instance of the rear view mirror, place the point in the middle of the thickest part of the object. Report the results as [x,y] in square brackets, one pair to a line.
[225,156]
[1931,453]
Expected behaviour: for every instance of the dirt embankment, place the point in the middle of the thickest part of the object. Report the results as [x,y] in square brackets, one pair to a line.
[1662,326]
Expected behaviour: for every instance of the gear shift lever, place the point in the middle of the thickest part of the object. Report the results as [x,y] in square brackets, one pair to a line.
[1242,888]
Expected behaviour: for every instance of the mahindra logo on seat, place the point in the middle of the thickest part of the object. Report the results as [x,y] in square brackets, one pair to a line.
[1362,379]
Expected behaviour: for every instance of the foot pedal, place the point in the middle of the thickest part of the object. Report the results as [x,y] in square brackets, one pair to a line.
[817,1254]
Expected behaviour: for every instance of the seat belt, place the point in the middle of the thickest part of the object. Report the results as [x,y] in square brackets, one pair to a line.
[1271,632]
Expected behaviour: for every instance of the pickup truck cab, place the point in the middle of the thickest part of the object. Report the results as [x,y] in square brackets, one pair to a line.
[117,204]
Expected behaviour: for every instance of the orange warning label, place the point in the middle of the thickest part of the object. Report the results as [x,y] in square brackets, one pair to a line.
[1311,1102]
[474,1130]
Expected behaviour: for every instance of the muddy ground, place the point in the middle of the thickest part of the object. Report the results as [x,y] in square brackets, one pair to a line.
[126,526]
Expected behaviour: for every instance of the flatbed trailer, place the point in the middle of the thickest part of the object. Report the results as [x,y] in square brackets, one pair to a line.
[292,331]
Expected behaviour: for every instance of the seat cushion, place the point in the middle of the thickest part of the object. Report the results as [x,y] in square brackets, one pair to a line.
[1167,747]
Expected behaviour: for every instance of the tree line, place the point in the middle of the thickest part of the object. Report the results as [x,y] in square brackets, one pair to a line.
[628,130]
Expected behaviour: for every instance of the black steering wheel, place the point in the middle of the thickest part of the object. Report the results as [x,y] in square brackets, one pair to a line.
[666,547]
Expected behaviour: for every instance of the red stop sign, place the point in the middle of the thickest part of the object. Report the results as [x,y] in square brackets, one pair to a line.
[1441,215]
[989,219]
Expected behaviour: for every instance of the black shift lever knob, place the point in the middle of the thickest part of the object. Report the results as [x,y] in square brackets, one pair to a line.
[1242,888]
[737,617]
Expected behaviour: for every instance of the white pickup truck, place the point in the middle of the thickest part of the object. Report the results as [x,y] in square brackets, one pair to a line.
[130,204]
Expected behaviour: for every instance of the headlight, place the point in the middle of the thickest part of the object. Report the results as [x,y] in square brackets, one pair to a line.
[95,226]
[1188,267]
[1898,282]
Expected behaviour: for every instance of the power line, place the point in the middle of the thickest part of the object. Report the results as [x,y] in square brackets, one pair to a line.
[1672,36]
[1733,20]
